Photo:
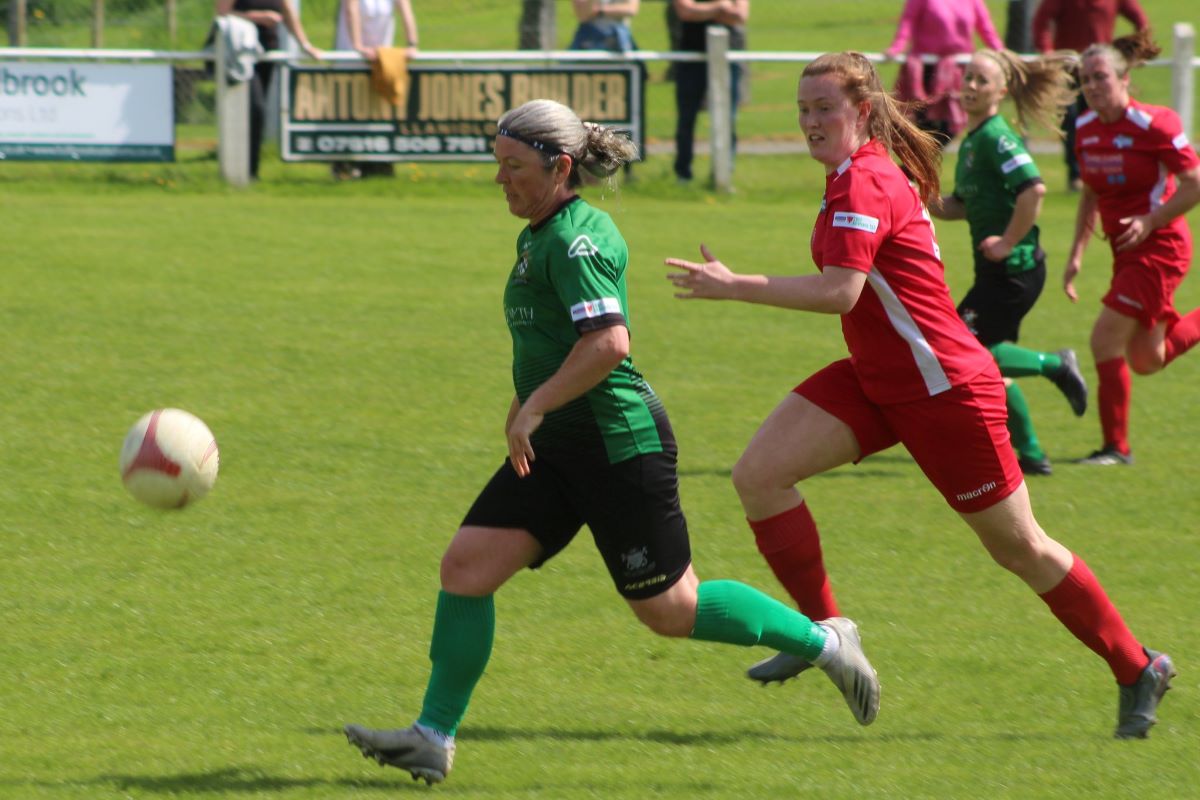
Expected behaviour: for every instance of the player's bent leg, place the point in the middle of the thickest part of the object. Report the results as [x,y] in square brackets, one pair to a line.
[798,440]
[479,560]
[673,612]
[1111,334]
[1147,351]
[1016,542]
[734,613]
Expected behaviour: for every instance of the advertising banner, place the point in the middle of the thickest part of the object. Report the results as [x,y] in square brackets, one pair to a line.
[331,113]
[86,112]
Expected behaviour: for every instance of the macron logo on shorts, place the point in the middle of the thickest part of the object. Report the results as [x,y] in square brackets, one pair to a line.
[859,222]
[590,309]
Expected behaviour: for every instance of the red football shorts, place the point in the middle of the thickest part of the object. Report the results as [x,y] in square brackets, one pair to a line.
[1143,287]
[958,438]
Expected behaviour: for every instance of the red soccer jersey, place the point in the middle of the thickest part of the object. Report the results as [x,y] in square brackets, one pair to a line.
[906,340]
[1130,164]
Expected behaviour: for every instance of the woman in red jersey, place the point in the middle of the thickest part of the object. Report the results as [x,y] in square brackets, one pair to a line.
[915,375]
[1141,175]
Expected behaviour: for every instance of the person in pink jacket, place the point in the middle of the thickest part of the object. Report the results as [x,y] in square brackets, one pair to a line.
[942,28]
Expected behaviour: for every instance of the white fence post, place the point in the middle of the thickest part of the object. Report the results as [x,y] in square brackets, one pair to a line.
[233,119]
[720,109]
[1182,75]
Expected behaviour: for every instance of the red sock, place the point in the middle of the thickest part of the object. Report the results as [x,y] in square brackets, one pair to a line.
[1113,397]
[1080,603]
[1183,336]
[790,544]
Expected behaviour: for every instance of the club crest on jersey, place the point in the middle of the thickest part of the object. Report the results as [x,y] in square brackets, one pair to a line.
[1122,142]
[1005,145]
[859,222]
[590,309]
[582,246]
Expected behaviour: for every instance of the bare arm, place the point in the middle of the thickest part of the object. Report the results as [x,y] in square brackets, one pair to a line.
[409,20]
[1085,223]
[1183,201]
[292,21]
[594,356]
[835,290]
[950,208]
[1025,214]
[354,28]
[692,11]
[259,17]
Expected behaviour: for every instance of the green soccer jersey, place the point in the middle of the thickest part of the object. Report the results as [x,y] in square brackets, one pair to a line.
[569,279]
[993,168]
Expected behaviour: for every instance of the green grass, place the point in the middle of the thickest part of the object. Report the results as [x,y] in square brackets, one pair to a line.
[346,345]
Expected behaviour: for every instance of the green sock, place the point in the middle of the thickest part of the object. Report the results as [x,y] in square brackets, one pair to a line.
[461,645]
[1017,362]
[734,613]
[1020,424]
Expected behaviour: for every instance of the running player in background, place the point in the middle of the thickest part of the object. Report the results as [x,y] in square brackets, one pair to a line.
[589,442]
[915,375]
[1142,175]
[998,191]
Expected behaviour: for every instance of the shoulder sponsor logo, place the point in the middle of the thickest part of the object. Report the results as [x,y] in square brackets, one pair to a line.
[1005,145]
[1122,142]
[590,309]
[859,222]
[582,246]
[1015,162]
[1180,141]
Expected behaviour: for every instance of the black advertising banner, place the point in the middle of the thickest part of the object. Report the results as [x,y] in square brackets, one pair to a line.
[331,113]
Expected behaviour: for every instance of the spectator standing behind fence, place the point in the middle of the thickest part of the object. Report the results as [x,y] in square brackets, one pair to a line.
[604,25]
[691,77]
[1078,24]
[942,28]
[365,26]
[266,16]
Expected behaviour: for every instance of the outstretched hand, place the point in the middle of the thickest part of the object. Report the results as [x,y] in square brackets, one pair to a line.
[710,280]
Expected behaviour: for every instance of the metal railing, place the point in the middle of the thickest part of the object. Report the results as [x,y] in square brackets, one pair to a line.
[233,102]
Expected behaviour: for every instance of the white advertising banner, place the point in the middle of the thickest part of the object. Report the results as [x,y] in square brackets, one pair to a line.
[86,112]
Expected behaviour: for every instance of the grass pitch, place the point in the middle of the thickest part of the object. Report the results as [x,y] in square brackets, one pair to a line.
[347,347]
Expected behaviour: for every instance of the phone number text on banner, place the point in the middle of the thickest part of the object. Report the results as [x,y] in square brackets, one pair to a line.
[331,113]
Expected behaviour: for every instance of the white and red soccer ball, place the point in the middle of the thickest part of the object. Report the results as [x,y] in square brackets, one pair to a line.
[169,459]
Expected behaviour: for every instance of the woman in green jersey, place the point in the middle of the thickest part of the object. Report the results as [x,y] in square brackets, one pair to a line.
[998,190]
[589,442]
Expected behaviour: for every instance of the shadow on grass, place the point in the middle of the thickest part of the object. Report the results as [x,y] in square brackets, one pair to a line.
[239,780]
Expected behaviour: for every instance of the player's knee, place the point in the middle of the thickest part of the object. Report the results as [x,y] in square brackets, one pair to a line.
[750,479]
[462,574]
[667,616]
[1144,363]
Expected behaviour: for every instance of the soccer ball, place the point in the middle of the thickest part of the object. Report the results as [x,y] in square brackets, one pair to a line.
[169,459]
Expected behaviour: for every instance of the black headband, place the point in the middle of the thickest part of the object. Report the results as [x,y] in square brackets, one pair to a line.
[549,149]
